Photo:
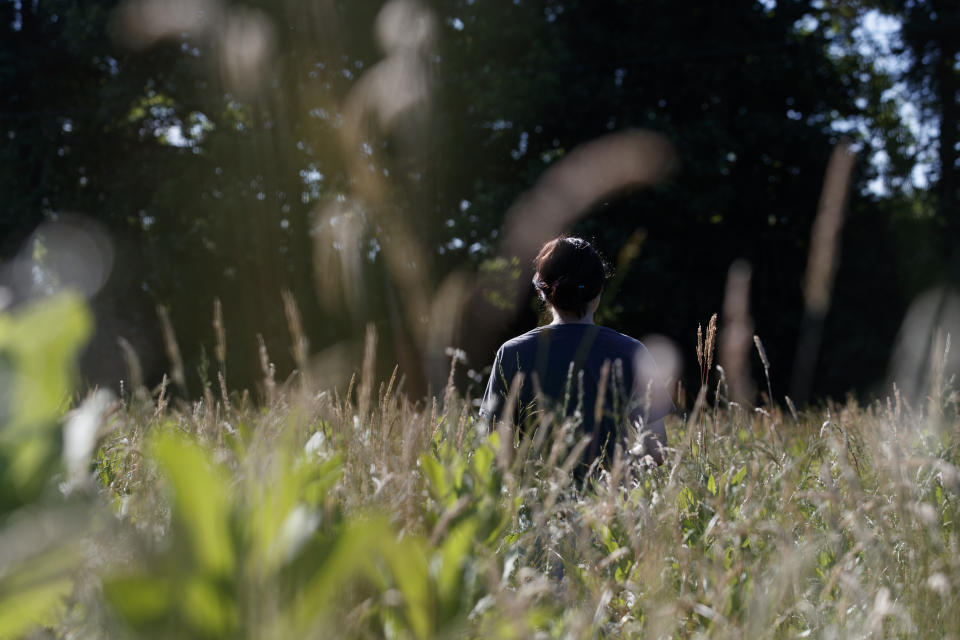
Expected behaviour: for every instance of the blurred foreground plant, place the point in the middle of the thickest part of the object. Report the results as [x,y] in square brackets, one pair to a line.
[39,546]
[356,513]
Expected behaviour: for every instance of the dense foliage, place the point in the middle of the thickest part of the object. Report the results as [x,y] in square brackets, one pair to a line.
[218,152]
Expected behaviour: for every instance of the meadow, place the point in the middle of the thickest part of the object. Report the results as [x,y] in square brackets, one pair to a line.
[301,512]
[400,163]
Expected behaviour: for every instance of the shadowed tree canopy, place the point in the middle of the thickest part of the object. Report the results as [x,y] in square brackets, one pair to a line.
[214,183]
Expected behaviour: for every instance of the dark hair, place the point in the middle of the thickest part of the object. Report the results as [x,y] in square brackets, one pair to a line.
[569,274]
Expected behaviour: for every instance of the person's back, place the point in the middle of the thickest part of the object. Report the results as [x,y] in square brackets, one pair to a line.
[566,365]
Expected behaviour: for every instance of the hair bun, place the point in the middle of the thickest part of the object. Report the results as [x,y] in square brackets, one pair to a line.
[567,294]
[570,273]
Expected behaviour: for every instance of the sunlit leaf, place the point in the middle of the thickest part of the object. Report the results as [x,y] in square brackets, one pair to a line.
[201,500]
[207,608]
[482,459]
[408,563]
[140,600]
[435,475]
[31,605]
[738,477]
[351,557]
[38,351]
[454,553]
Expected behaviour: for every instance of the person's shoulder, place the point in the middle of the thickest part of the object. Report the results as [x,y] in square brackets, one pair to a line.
[622,339]
[523,340]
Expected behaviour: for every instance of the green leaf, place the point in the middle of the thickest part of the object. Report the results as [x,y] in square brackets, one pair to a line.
[434,472]
[201,500]
[42,343]
[482,459]
[738,477]
[38,353]
[40,552]
[685,499]
[712,485]
[32,605]
[350,557]
[140,600]
[208,609]
[408,564]
[453,555]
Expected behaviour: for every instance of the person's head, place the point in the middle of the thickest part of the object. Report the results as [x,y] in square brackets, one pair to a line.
[569,275]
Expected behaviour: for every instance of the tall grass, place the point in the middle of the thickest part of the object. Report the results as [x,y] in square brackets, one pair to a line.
[354,512]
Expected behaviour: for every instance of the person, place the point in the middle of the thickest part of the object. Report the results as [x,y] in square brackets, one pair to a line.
[563,366]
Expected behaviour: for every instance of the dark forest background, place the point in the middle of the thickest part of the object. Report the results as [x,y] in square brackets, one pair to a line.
[211,153]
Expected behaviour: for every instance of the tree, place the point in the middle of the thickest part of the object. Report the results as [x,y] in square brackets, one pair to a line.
[748,95]
[228,171]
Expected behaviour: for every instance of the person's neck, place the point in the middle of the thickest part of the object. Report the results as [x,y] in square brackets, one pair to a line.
[569,318]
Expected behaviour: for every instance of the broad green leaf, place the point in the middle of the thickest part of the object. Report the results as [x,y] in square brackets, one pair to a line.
[38,353]
[273,524]
[34,590]
[350,557]
[408,563]
[207,609]
[454,553]
[140,600]
[201,500]
[482,459]
[712,485]
[32,605]
[41,343]
[434,473]
[40,552]
[322,477]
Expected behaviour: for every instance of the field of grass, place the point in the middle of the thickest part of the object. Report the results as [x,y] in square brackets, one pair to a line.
[300,512]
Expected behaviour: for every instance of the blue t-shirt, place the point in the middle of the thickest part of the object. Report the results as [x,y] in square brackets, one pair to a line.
[563,367]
